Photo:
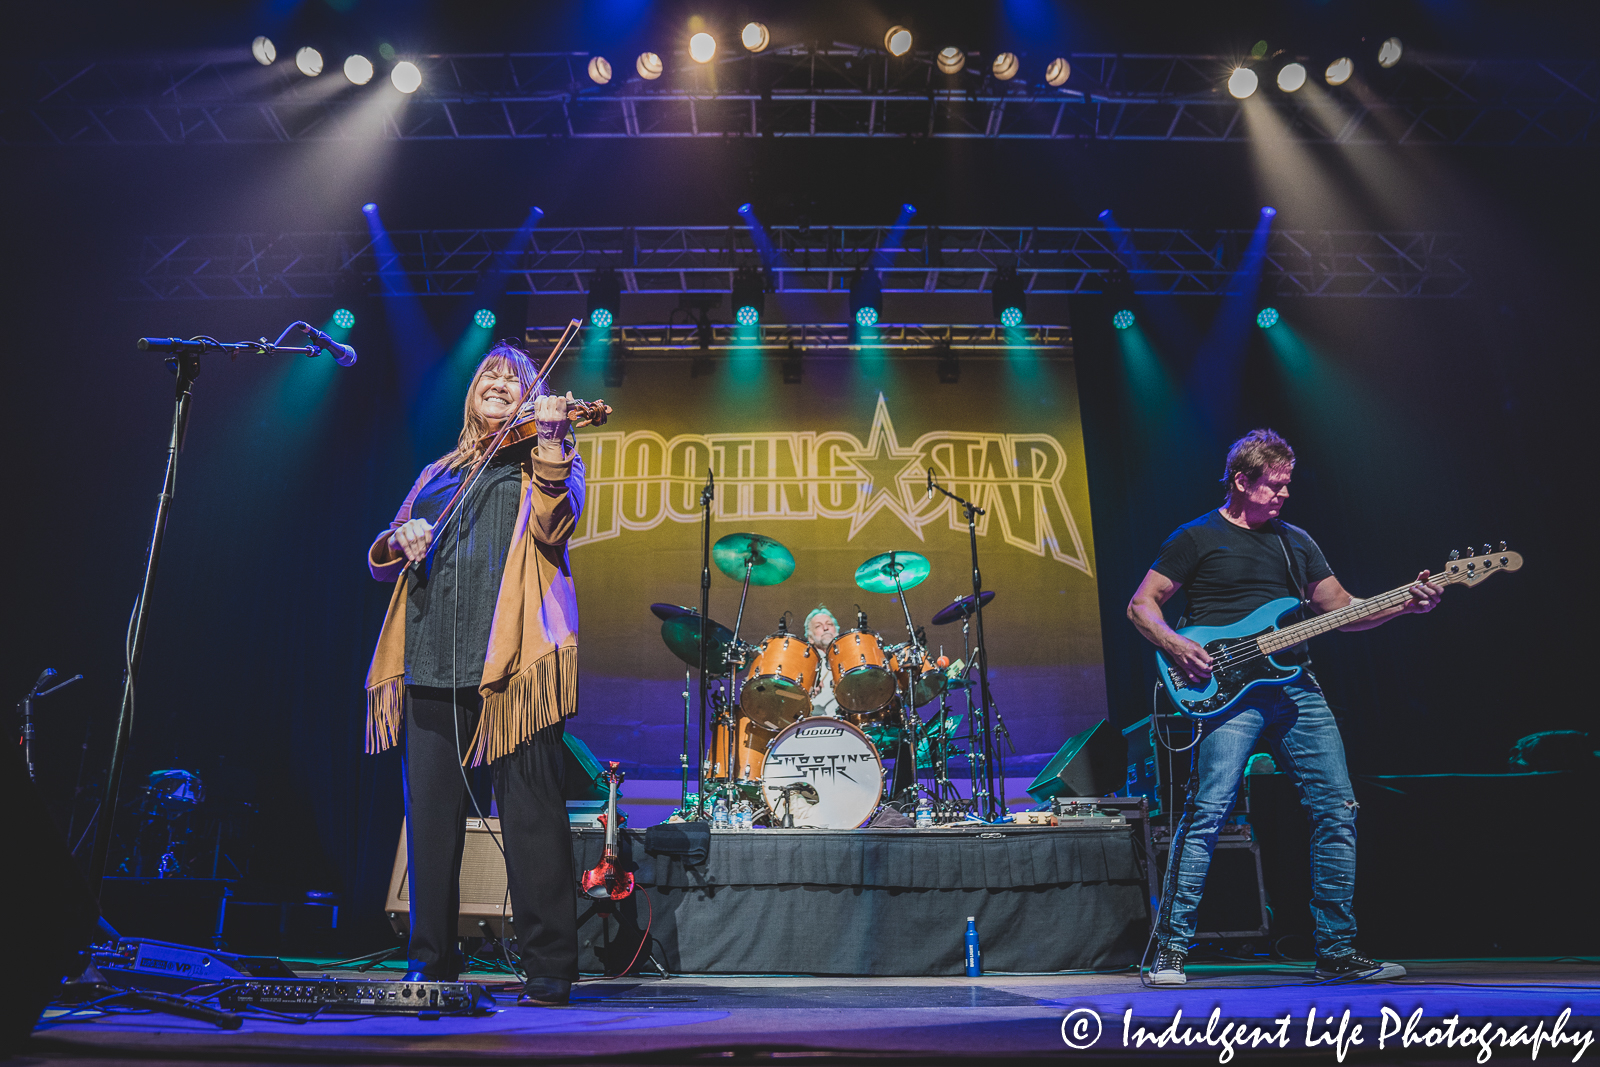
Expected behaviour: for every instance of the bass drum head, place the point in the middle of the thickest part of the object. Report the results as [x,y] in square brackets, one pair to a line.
[837,761]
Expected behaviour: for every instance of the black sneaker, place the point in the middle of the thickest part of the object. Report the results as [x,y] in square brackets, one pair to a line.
[545,993]
[1357,968]
[1168,968]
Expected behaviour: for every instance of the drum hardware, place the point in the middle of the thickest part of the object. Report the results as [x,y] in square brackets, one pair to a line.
[806,791]
[896,571]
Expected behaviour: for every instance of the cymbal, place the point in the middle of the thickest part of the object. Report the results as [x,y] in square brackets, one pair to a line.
[671,611]
[770,562]
[877,574]
[960,609]
[682,636]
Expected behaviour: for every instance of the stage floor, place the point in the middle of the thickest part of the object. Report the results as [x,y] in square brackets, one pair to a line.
[732,1019]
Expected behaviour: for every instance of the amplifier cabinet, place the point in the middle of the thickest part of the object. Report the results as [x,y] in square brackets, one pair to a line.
[1235,901]
[485,907]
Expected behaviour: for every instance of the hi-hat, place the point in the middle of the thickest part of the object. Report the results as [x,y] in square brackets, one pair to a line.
[960,609]
[770,563]
[877,574]
[671,611]
[682,636]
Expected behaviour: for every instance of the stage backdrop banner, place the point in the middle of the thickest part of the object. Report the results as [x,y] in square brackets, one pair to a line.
[835,467]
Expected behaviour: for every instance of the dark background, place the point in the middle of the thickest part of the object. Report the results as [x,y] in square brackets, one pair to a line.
[1466,420]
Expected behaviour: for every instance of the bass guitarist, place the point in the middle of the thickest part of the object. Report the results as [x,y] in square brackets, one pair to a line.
[1231,561]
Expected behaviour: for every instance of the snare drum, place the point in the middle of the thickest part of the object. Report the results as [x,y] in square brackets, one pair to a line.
[861,678]
[825,773]
[777,688]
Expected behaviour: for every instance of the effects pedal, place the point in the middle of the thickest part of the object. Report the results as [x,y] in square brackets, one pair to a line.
[360,997]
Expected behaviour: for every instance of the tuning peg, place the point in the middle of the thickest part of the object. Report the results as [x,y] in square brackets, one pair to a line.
[1487,549]
[1470,552]
[1455,553]
[1502,546]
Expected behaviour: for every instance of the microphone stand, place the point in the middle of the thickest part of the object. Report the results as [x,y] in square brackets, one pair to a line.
[990,810]
[184,363]
[707,495]
[27,714]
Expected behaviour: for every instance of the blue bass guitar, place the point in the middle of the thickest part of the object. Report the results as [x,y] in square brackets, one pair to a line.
[1241,652]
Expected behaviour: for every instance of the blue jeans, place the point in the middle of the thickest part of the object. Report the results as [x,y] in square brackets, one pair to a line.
[1302,736]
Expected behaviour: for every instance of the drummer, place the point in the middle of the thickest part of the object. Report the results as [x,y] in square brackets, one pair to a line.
[821,630]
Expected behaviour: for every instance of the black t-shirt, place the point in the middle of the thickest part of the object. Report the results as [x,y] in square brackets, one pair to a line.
[1228,571]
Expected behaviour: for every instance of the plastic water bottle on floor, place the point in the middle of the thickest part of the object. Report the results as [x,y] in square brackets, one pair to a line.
[974,953]
[719,814]
[924,812]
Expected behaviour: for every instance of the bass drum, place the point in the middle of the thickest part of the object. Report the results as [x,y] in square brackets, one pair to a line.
[825,773]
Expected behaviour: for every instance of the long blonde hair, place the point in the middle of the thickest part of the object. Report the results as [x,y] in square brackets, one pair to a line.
[475,429]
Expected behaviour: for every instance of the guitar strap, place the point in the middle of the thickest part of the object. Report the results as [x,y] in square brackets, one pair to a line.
[1288,561]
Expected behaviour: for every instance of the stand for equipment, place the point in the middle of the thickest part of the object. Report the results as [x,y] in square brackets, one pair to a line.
[184,363]
[707,495]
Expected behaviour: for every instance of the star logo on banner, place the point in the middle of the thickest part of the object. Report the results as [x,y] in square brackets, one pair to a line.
[886,468]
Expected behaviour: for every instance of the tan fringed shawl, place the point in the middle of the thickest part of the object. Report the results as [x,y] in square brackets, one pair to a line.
[530,675]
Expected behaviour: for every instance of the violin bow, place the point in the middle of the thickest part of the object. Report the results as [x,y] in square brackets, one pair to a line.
[568,335]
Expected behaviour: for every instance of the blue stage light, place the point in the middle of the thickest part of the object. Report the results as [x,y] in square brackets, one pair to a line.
[1122,319]
[601,318]
[483,319]
[867,316]
[908,209]
[1104,215]
[1011,316]
[1267,318]
[1268,212]
[745,209]
[747,315]
[369,209]
[344,318]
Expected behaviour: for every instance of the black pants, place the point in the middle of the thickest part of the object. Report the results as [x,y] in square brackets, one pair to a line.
[534,834]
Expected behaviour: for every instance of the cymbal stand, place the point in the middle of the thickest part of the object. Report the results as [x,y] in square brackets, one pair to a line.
[707,495]
[913,656]
[683,757]
[989,810]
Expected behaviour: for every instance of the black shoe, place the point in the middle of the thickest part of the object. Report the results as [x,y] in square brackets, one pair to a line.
[1168,968]
[1358,968]
[545,993]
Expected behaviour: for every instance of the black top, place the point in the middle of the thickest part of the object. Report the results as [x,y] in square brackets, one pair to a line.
[457,595]
[1228,571]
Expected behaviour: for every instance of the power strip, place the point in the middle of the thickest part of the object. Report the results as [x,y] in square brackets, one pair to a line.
[363,997]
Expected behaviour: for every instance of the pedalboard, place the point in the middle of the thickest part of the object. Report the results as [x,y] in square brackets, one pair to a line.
[360,997]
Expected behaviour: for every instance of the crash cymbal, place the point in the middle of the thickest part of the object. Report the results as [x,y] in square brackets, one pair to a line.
[682,636]
[671,611]
[960,609]
[877,574]
[770,562]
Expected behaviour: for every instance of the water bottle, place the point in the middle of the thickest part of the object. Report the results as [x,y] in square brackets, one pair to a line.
[747,816]
[974,954]
[924,812]
[719,814]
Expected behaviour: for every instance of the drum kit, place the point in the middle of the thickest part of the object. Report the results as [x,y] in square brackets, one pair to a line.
[780,752]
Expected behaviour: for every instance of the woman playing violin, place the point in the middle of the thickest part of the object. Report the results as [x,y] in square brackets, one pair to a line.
[478,660]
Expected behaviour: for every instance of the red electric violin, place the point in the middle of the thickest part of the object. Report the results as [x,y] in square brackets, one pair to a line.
[604,881]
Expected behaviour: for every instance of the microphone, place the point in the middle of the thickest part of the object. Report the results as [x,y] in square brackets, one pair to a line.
[930,481]
[343,354]
[861,618]
[49,673]
[783,623]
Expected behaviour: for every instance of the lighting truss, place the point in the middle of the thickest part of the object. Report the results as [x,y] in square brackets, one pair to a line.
[681,259]
[834,90]
[925,339]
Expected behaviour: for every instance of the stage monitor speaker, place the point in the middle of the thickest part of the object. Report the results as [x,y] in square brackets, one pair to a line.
[583,777]
[1090,764]
[485,908]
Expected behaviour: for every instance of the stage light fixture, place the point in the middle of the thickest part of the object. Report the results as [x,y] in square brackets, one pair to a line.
[358,69]
[1005,66]
[1389,53]
[264,51]
[908,210]
[866,297]
[745,209]
[755,37]
[1339,70]
[1267,318]
[483,319]
[1291,77]
[406,77]
[309,61]
[1242,83]
[604,298]
[1268,211]
[599,70]
[1057,73]
[951,60]
[702,46]
[369,209]
[649,66]
[344,318]
[1122,319]
[897,41]
[749,297]
[1009,299]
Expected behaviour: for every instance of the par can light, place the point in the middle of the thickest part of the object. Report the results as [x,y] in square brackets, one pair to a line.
[358,69]
[747,315]
[1389,53]
[483,319]
[649,66]
[599,70]
[755,37]
[1242,83]
[601,318]
[1291,77]
[702,47]
[344,318]
[1267,318]
[951,60]
[309,61]
[406,77]
[1057,73]
[897,41]
[1122,319]
[1339,70]
[264,51]
[1005,66]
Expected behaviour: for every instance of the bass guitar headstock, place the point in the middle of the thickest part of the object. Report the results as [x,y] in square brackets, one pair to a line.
[1474,568]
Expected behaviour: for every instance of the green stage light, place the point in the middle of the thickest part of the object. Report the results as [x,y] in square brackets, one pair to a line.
[1011,316]
[1122,319]
[601,319]
[483,319]
[747,315]
[344,318]
[1267,318]
[867,316]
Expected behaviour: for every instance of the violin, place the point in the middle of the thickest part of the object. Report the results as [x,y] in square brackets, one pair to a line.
[580,413]
[604,881]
